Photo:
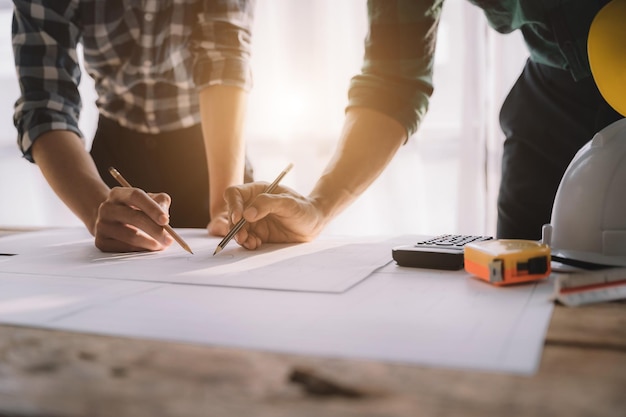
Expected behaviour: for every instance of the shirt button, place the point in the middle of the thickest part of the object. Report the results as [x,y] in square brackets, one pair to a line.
[148,17]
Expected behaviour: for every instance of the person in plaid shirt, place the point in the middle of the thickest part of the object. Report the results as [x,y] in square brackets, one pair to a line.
[171,77]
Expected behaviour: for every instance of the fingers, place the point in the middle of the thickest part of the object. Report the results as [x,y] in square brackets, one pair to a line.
[270,218]
[155,206]
[240,196]
[219,225]
[265,204]
[163,201]
[251,202]
[131,220]
[125,238]
[248,240]
[282,216]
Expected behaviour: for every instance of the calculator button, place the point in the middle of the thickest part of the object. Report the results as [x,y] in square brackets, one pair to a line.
[452,240]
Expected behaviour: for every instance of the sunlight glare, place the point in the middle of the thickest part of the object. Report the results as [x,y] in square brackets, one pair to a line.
[34,303]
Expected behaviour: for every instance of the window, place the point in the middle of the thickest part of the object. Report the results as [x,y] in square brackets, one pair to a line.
[27,200]
[304,54]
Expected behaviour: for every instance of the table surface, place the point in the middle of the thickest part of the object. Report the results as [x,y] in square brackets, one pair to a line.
[57,373]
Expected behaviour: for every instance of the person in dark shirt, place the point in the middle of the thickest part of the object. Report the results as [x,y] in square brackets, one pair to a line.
[553,109]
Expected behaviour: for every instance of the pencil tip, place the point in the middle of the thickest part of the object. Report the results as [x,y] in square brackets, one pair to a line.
[217,250]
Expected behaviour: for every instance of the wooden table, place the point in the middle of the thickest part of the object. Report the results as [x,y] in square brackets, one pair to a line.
[56,373]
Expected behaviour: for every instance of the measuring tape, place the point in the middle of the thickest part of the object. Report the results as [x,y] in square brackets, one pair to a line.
[507,261]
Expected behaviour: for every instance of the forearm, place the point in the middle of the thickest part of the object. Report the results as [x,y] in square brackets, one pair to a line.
[368,142]
[71,173]
[223,112]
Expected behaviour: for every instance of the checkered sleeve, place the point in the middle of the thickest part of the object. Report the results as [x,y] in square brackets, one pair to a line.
[396,76]
[221,43]
[44,47]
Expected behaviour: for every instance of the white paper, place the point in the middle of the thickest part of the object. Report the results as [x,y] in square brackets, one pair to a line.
[404,315]
[322,266]
[39,299]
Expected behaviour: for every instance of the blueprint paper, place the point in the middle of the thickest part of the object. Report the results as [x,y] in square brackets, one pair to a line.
[401,315]
[322,266]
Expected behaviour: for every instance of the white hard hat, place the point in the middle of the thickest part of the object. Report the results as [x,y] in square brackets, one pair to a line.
[588,222]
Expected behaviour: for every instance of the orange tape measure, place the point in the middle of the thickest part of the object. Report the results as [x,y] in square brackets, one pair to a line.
[507,261]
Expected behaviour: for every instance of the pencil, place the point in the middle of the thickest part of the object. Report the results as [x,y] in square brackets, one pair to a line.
[119,178]
[237,227]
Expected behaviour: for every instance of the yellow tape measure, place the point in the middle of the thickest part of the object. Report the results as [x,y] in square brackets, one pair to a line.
[507,261]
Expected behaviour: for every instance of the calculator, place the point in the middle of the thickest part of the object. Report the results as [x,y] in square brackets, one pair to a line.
[439,252]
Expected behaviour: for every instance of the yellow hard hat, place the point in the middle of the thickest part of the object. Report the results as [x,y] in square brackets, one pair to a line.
[606,47]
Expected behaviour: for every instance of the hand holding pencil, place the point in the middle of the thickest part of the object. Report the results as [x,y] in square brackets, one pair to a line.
[282,216]
[238,226]
[132,220]
[119,178]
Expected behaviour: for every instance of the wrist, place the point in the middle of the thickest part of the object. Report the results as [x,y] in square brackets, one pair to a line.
[325,209]
[90,212]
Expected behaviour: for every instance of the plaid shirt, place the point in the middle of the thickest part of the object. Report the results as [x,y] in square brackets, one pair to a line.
[148,58]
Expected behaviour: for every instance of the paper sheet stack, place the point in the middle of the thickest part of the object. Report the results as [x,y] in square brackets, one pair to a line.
[590,286]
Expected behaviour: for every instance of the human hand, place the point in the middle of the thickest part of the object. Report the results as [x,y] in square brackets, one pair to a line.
[280,217]
[219,226]
[131,220]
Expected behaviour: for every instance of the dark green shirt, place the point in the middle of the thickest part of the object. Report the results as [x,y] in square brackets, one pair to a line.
[396,77]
